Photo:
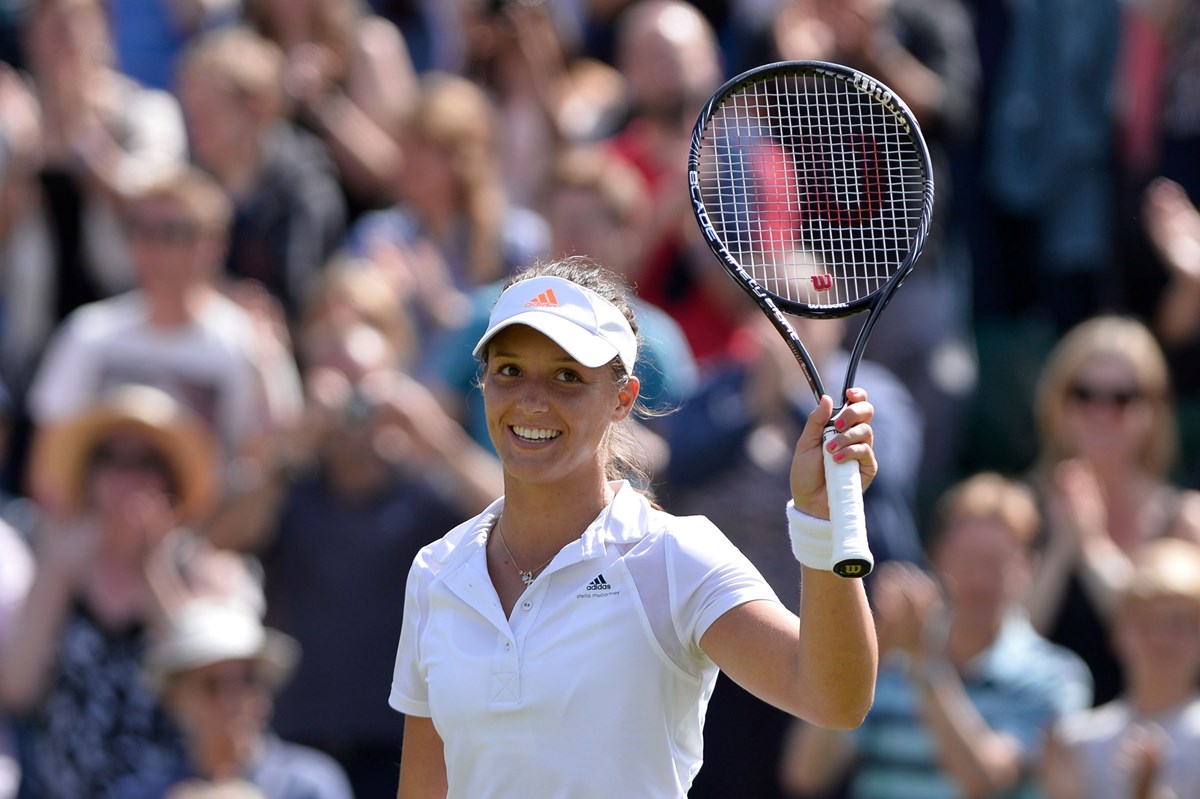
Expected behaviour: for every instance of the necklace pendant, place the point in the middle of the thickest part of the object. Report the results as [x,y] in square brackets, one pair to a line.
[526,577]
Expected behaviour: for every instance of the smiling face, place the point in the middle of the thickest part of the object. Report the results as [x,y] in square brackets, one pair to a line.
[548,415]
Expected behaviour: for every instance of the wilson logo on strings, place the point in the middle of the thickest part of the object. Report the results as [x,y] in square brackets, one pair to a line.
[822,282]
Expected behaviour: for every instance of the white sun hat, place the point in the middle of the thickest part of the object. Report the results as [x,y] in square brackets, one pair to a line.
[209,630]
[591,329]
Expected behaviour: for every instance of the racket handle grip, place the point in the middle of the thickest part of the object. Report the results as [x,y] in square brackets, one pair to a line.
[851,554]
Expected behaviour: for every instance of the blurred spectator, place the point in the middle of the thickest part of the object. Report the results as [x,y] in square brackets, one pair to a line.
[350,75]
[176,331]
[748,409]
[1048,164]
[353,292]
[1143,743]
[514,52]
[16,575]
[453,227]
[922,50]
[361,483]
[112,559]
[730,458]
[1108,439]
[82,136]
[1172,223]
[150,35]
[967,690]
[667,54]
[289,214]
[215,669]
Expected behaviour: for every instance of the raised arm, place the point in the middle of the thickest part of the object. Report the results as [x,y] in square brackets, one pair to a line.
[28,659]
[820,667]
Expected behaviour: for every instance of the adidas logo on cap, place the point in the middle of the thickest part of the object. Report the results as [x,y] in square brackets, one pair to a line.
[544,300]
[589,327]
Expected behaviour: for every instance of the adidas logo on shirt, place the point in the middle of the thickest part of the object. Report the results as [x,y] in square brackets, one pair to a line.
[544,300]
[597,587]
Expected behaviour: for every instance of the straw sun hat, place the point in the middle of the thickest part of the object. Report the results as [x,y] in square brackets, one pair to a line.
[176,433]
[210,630]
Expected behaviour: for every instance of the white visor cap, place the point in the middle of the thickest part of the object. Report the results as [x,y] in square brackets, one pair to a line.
[591,329]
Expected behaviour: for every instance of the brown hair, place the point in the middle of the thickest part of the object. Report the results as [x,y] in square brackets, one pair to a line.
[989,495]
[619,185]
[197,192]
[1108,336]
[360,286]
[455,115]
[251,67]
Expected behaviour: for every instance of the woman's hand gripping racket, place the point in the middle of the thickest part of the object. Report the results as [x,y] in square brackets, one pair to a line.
[813,186]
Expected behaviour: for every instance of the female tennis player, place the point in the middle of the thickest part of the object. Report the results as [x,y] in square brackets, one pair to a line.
[565,641]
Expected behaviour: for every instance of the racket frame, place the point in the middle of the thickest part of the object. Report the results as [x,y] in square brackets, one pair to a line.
[773,305]
[852,558]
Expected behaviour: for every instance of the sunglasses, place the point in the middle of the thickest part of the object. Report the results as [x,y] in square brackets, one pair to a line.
[1120,398]
[128,459]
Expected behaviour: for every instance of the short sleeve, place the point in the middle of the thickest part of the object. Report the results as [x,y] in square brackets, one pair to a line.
[709,576]
[410,694]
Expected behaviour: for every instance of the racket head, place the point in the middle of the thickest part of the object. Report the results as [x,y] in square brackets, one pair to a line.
[813,185]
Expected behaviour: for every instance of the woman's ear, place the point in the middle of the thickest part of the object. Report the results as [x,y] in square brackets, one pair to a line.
[626,397]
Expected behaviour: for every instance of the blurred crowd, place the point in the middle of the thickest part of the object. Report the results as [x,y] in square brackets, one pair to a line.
[246,247]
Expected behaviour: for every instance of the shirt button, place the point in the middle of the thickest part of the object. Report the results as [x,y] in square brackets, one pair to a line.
[507,646]
[526,605]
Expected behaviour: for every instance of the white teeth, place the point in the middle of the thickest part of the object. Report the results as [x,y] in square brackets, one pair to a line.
[534,434]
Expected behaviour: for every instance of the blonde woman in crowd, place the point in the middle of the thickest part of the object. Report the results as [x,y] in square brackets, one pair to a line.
[1108,441]
[453,227]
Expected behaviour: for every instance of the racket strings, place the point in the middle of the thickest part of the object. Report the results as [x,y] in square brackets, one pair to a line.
[814,185]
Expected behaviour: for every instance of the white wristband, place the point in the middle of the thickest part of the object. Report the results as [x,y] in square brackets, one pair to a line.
[812,539]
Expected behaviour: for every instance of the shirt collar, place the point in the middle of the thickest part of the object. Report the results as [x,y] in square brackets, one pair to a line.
[625,520]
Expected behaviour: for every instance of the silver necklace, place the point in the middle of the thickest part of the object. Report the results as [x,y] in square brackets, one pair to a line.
[526,574]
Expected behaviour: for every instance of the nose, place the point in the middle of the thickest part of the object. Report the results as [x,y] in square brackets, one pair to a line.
[532,397]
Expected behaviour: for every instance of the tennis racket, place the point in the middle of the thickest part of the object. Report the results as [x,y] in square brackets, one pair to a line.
[813,186]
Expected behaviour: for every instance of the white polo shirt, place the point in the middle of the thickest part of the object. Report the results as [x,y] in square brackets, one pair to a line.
[596,686]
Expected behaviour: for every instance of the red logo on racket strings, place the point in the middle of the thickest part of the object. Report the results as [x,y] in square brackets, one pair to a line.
[544,300]
[854,160]
[822,282]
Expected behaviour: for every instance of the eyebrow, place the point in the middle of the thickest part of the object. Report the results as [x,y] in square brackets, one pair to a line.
[567,359]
